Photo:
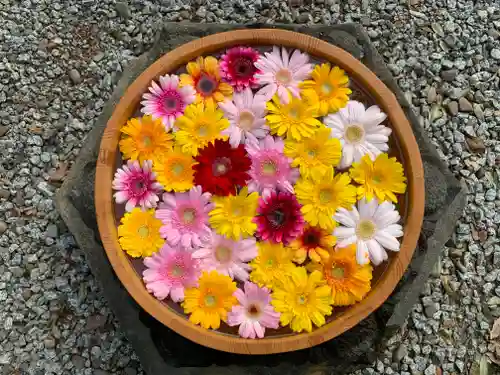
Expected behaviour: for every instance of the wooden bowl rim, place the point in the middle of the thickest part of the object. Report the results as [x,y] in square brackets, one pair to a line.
[105,206]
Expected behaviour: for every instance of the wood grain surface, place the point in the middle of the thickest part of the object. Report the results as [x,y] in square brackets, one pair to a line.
[410,156]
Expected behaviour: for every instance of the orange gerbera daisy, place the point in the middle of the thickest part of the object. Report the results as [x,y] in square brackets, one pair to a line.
[314,243]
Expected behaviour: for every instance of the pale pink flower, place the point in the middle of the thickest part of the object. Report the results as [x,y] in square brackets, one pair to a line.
[169,271]
[167,100]
[136,185]
[246,117]
[227,257]
[254,313]
[271,169]
[185,218]
[282,74]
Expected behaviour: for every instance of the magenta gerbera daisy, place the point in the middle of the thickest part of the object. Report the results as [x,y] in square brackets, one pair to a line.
[169,271]
[282,74]
[254,313]
[167,100]
[185,218]
[227,257]
[271,169]
[237,67]
[136,185]
[279,218]
[246,117]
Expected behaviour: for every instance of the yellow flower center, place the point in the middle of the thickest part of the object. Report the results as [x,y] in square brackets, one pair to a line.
[311,153]
[302,299]
[377,178]
[270,262]
[146,140]
[354,133]
[246,120]
[325,196]
[269,168]
[188,215]
[326,88]
[223,254]
[237,210]
[366,229]
[177,271]
[202,131]
[284,76]
[210,300]
[337,272]
[143,231]
[177,168]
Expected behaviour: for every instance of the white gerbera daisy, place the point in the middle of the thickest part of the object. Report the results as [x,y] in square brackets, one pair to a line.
[372,227]
[359,131]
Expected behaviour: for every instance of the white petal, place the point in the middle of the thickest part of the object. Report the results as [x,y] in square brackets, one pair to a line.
[387,241]
[362,255]
[344,232]
[377,253]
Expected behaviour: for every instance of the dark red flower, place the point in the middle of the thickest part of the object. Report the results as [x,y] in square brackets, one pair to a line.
[238,69]
[221,169]
[279,218]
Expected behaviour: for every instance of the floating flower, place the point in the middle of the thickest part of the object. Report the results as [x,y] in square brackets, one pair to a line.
[174,170]
[201,124]
[238,69]
[136,185]
[350,282]
[144,139]
[372,226]
[221,169]
[302,300]
[331,86]
[359,131]
[279,218]
[246,117]
[232,215]
[382,177]
[273,263]
[321,195]
[204,76]
[281,74]
[227,257]
[211,301]
[294,119]
[139,233]
[167,101]
[254,313]
[169,272]
[270,169]
[185,218]
[314,243]
[314,155]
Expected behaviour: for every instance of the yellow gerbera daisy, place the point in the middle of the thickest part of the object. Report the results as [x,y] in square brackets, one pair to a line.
[139,233]
[143,138]
[233,215]
[200,124]
[321,195]
[272,263]
[204,76]
[330,84]
[349,281]
[313,242]
[316,154]
[296,119]
[302,300]
[382,177]
[210,302]
[174,170]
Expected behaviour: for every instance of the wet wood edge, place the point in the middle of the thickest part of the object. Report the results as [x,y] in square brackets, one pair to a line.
[105,206]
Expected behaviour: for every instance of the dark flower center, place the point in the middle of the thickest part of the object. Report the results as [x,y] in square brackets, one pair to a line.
[253,310]
[206,85]
[221,166]
[243,67]
[278,216]
[170,103]
[311,239]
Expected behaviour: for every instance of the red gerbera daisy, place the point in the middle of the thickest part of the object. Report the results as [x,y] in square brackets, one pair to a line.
[221,169]
[238,69]
[279,218]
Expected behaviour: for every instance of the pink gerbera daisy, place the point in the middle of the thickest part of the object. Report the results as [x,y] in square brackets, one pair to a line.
[270,167]
[136,185]
[281,73]
[185,218]
[254,313]
[246,117]
[167,100]
[227,257]
[279,218]
[169,271]
[237,67]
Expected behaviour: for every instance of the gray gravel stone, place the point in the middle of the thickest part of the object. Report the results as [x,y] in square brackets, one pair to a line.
[75,77]
[464,105]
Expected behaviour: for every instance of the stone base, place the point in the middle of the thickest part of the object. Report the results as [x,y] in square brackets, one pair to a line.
[161,350]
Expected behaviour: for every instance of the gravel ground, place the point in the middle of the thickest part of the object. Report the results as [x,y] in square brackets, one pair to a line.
[58,64]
